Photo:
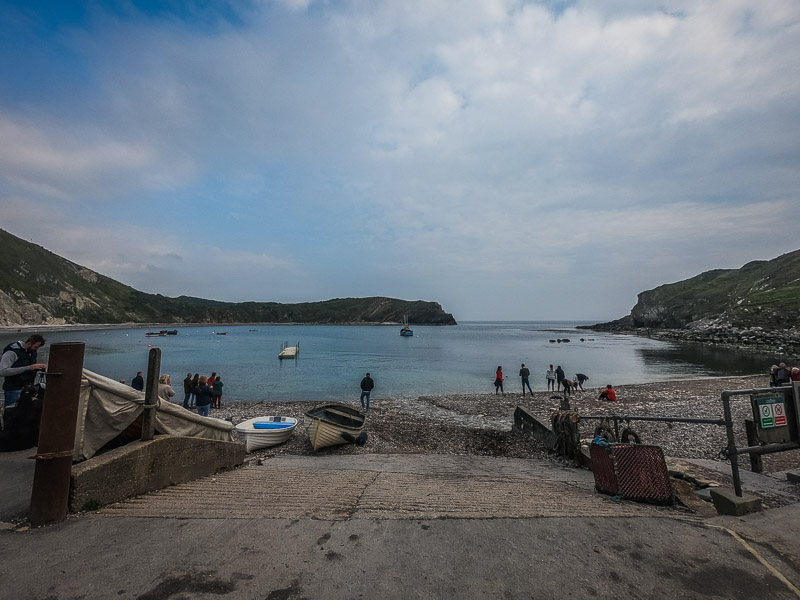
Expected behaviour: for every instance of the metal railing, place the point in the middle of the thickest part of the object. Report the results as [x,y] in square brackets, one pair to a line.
[731,452]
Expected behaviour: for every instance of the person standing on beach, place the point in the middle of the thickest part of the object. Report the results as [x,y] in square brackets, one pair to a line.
[525,374]
[559,377]
[187,390]
[137,382]
[367,385]
[204,396]
[195,383]
[165,391]
[217,389]
[551,379]
[498,381]
[18,367]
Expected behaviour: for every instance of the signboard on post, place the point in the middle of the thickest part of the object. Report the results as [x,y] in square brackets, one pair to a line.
[770,414]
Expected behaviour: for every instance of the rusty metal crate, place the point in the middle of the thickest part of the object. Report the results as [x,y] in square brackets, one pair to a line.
[632,471]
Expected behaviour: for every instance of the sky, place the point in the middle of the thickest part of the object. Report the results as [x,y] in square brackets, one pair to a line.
[511,160]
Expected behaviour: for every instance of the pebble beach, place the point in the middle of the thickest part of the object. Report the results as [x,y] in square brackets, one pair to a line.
[481,424]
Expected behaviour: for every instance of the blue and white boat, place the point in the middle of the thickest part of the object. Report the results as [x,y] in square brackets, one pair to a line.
[262,432]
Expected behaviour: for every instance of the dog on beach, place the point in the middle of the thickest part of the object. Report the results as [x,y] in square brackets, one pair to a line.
[569,386]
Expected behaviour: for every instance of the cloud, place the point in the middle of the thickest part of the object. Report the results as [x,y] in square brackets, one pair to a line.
[434,145]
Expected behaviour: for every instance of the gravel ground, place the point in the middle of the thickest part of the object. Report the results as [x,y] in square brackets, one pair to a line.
[480,424]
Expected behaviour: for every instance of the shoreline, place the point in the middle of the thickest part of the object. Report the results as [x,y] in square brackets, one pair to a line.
[481,424]
[107,326]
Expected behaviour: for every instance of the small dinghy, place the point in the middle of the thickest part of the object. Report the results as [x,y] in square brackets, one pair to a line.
[262,432]
[330,421]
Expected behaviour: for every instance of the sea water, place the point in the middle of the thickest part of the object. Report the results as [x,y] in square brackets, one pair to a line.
[436,360]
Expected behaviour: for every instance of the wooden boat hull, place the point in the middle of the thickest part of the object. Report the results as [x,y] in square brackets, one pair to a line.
[277,430]
[328,422]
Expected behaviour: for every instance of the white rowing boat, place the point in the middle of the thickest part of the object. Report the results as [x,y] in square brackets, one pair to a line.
[262,432]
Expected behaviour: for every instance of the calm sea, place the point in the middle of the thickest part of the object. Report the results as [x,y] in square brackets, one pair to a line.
[436,360]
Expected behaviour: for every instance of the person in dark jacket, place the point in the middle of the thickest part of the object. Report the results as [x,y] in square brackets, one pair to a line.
[204,396]
[559,377]
[367,386]
[525,374]
[581,378]
[18,366]
[137,382]
[188,385]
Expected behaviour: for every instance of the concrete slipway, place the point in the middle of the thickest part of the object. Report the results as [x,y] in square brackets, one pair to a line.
[378,526]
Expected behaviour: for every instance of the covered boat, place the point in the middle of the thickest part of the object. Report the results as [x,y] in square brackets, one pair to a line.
[330,421]
[262,432]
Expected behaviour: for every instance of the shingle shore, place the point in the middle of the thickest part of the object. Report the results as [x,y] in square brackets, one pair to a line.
[480,424]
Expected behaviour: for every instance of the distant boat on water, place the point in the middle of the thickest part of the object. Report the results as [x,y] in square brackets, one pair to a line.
[221,332]
[406,330]
[162,332]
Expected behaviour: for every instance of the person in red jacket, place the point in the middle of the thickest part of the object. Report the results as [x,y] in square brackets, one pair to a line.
[609,394]
[498,381]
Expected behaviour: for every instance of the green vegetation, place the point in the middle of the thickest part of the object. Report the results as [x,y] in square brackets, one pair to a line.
[762,293]
[37,282]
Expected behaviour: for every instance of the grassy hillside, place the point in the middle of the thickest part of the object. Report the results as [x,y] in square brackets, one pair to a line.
[37,286]
[761,293]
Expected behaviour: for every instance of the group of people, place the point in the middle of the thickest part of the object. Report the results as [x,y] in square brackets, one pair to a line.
[783,375]
[556,380]
[199,392]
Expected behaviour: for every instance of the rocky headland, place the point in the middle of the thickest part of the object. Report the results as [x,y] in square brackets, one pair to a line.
[756,307]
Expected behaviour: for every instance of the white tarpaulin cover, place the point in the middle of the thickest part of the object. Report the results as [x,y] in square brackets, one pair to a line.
[108,407]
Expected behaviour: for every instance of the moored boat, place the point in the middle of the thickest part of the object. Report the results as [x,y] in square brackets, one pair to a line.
[330,421]
[406,331]
[262,432]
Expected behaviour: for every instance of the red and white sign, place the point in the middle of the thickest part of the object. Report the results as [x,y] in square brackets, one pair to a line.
[780,414]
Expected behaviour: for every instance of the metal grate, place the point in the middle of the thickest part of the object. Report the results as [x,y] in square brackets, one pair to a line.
[632,471]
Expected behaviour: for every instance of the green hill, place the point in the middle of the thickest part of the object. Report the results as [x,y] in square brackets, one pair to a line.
[38,287]
[762,294]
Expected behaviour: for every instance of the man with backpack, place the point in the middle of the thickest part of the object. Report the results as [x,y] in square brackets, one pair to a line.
[19,367]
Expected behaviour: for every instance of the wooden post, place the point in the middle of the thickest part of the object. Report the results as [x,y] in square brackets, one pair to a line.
[51,476]
[151,394]
[756,463]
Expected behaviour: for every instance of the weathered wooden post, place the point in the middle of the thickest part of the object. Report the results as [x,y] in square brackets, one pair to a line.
[756,462]
[51,476]
[151,394]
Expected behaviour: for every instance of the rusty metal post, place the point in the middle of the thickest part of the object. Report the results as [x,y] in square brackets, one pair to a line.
[731,449]
[51,477]
[151,394]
